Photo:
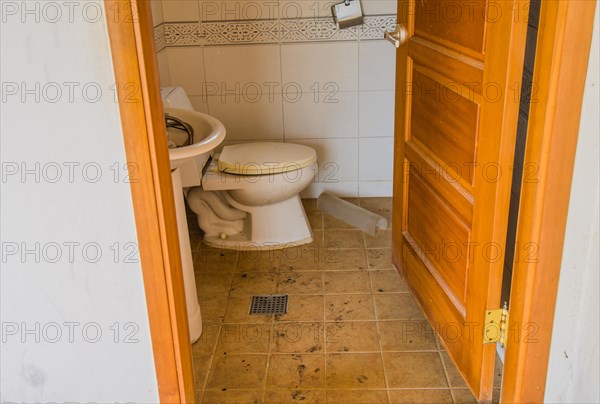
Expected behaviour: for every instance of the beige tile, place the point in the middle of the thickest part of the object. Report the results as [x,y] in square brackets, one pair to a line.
[213,284]
[294,396]
[380,258]
[259,261]
[347,282]
[354,371]
[349,307]
[382,239]
[303,258]
[208,259]
[463,396]
[310,204]
[387,282]
[414,370]
[300,283]
[298,338]
[315,218]
[253,283]
[208,339]
[423,396]
[496,396]
[232,397]
[407,335]
[243,338]
[381,206]
[332,223]
[454,377]
[201,363]
[355,336]
[397,306]
[344,260]
[293,371]
[498,372]
[344,239]
[357,396]
[237,372]
[237,312]
[213,308]
[303,308]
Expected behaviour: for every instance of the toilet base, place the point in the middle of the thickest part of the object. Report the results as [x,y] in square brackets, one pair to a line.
[280,225]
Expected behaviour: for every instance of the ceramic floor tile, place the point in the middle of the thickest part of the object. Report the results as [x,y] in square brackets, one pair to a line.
[387,282]
[201,363]
[397,306]
[303,308]
[237,311]
[208,259]
[213,284]
[232,397]
[294,396]
[293,371]
[354,371]
[463,396]
[237,372]
[349,307]
[355,336]
[304,259]
[407,335]
[382,239]
[414,370]
[344,260]
[346,282]
[309,204]
[259,261]
[300,283]
[380,258]
[208,339]
[454,377]
[212,308]
[257,283]
[344,239]
[315,219]
[243,338]
[422,396]
[298,338]
[357,397]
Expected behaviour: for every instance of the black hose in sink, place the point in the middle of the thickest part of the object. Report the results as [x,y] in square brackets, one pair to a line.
[176,123]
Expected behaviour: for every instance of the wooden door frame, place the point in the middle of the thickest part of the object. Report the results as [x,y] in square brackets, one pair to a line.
[131,37]
[561,63]
[561,60]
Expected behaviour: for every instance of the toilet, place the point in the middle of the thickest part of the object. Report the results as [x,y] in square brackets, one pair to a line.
[247,196]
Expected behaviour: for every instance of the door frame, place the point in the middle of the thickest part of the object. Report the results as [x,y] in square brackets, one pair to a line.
[131,38]
[561,63]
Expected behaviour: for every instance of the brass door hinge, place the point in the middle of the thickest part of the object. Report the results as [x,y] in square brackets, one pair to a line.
[496,326]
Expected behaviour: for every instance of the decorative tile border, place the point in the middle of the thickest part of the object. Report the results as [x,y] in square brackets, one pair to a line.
[269,31]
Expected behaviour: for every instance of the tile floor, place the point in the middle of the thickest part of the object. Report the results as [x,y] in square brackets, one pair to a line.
[352,333]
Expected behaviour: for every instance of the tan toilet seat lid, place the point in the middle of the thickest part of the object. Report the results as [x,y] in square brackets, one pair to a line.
[265,158]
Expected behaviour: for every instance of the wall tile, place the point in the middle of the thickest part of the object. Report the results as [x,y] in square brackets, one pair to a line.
[321,63]
[378,7]
[337,159]
[157,14]
[180,10]
[341,189]
[236,10]
[376,113]
[200,103]
[244,120]
[163,68]
[368,189]
[322,115]
[186,68]
[377,65]
[253,68]
[305,8]
[376,159]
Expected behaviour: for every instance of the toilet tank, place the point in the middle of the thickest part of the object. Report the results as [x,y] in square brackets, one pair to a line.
[175,97]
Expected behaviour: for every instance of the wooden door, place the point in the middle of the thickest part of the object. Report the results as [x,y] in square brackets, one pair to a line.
[457,101]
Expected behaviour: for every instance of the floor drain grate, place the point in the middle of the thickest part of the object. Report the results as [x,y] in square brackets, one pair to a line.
[269,304]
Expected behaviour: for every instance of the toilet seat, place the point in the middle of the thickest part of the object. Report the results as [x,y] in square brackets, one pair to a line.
[262,158]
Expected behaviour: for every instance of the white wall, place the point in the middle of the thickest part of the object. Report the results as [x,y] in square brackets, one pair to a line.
[332,90]
[574,368]
[42,292]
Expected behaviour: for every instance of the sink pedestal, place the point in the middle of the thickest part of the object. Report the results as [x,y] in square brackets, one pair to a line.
[189,281]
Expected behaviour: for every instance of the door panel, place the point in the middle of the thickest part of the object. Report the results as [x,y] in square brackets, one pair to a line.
[455,133]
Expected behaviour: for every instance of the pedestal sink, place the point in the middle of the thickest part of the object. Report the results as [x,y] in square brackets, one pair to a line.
[186,171]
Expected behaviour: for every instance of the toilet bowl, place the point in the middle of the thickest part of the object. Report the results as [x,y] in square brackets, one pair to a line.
[249,193]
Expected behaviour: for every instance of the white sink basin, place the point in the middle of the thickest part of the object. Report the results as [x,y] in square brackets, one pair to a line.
[209,132]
